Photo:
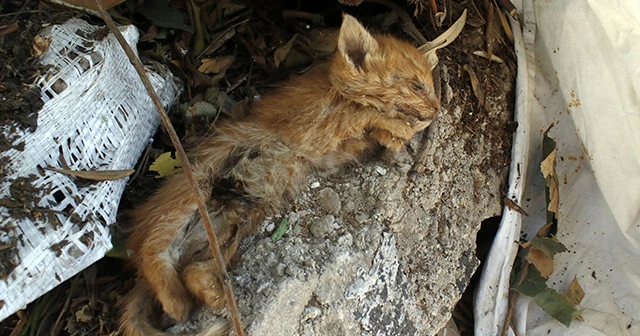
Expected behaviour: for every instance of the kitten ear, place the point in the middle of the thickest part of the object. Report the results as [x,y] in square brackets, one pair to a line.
[355,43]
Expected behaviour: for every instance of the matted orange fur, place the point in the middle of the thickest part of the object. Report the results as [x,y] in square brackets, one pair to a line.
[376,90]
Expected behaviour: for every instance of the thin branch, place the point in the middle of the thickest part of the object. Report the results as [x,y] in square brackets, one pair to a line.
[187,168]
[434,7]
[512,300]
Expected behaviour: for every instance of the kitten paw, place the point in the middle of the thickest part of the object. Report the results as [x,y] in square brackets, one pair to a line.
[386,139]
[201,280]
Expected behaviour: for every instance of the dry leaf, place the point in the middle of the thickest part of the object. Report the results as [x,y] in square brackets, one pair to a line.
[475,84]
[541,261]
[548,167]
[429,48]
[95,175]
[505,25]
[514,206]
[82,316]
[484,54]
[281,53]
[439,18]
[575,293]
[351,2]
[323,41]
[544,230]
[216,65]
[40,46]
[12,28]
[87,5]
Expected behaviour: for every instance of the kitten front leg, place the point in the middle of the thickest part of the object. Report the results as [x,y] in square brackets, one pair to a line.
[159,221]
[203,279]
[392,133]
[164,280]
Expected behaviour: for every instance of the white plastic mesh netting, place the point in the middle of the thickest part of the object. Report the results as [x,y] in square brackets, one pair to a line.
[97,116]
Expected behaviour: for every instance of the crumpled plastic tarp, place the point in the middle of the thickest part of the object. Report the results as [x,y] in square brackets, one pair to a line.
[578,69]
[97,116]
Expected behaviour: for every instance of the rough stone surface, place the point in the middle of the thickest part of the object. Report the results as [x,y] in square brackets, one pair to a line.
[388,246]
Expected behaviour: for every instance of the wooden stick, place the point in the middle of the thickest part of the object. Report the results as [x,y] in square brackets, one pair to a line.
[187,169]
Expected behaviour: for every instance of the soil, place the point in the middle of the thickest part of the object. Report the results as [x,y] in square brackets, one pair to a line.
[18,113]
[86,304]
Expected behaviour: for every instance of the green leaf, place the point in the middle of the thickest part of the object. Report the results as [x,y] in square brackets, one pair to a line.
[549,246]
[162,15]
[553,303]
[165,165]
[280,231]
[533,283]
[119,249]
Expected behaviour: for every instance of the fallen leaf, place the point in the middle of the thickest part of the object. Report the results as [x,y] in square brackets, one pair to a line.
[95,175]
[429,48]
[161,14]
[323,41]
[475,84]
[549,246]
[82,316]
[514,206]
[280,230]
[484,54]
[554,304]
[575,293]
[87,4]
[541,261]
[151,34]
[215,65]
[165,165]
[505,25]
[231,7]
[548,168]
[12,28]
[119,249]
[281,53]
[544,230]
[198,36]
[24,318]
[351,2]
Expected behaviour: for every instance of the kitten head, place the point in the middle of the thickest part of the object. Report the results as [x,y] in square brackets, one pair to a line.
[385,73]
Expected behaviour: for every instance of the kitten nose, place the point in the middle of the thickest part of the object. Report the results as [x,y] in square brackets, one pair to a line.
[435,103]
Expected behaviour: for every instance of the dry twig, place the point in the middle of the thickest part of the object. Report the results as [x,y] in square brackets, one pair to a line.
[489,30]
[187,169]
[512,300]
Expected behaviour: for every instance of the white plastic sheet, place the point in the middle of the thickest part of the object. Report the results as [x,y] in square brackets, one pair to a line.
[96,116]
[579,69]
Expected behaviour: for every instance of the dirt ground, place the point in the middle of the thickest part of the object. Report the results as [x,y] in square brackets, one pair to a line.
[259,36]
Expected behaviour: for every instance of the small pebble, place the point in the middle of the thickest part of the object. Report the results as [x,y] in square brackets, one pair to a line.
[323,226]
[311,313]
[381,171]
[271,227]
